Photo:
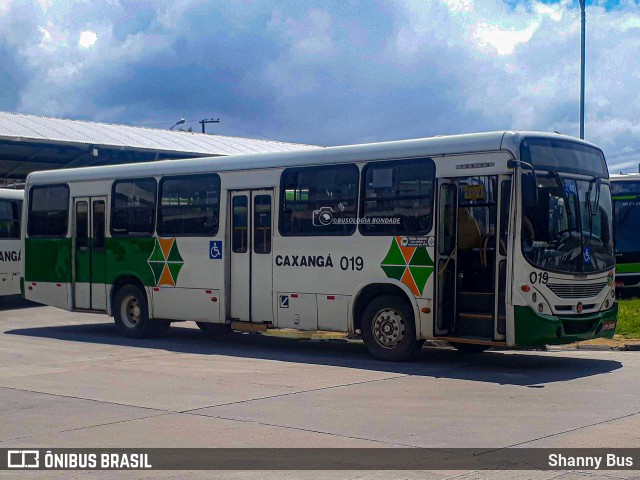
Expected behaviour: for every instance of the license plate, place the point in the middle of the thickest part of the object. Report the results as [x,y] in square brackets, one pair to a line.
[609,326]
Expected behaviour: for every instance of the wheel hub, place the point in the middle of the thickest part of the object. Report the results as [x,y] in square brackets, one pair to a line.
[131,312]
[388,328]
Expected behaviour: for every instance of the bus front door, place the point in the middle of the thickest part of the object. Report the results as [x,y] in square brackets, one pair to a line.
[446,257]
[472,248]
[251,292]
[89,264]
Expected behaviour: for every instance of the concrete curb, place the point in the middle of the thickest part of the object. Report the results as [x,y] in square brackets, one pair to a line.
[596,348]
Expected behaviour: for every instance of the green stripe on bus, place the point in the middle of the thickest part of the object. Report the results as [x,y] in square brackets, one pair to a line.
[628,268]
[47,260]
[624,197]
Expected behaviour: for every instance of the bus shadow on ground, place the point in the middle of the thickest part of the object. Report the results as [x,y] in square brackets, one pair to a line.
[15,302]
[521,368]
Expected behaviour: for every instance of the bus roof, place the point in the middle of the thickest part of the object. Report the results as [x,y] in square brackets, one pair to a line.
[10,193]
[423,147]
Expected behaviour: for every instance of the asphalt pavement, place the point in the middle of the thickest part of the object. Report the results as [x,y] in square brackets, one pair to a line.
[69,380]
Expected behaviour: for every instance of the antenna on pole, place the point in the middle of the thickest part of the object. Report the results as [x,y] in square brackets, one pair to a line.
[204,121]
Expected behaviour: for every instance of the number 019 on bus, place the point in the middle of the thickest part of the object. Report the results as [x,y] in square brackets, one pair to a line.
[486,240]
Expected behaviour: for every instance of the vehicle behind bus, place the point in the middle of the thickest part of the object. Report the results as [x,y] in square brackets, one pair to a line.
[625,191]
[498,239]
[10,241]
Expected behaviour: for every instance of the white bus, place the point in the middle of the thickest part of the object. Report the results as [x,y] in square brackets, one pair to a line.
[491,239]
[10,241]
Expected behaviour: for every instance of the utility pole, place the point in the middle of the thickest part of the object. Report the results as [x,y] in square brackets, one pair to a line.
[582,34]
[204,121]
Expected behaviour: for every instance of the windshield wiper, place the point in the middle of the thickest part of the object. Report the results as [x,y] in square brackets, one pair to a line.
[565,197]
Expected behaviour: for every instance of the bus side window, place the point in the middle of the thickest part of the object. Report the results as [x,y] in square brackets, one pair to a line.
[48,211]
[10,211]
[397,197]
[319,200]
[133,207]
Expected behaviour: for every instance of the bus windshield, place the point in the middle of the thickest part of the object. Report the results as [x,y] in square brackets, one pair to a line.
[569,229]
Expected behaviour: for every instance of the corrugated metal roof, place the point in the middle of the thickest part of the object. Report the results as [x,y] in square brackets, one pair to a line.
[20,127]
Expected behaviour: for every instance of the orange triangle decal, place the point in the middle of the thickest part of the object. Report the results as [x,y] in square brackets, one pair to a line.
[165,245]
[166,278]
[407,279]
[407,252]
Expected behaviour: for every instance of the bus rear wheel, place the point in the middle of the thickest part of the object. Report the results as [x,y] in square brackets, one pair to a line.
[469,347]
[131,314]
[388,329]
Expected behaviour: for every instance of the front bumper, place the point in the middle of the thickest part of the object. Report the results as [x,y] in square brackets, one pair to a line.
[533,329]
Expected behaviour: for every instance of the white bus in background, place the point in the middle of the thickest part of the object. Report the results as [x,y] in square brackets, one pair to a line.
[11,245]
[491,239]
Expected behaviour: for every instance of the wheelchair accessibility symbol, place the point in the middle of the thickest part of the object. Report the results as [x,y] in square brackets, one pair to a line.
[215,249]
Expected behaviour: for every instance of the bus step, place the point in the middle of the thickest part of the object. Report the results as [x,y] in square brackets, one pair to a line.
[474,324]
[475,302]
[248,327]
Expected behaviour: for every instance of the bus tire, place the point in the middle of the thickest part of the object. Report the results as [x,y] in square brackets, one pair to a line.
[213,329]
[131,314]
[469,348]
[388,329]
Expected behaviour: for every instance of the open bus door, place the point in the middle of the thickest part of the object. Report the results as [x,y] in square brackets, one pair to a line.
[446,257]
[471,258]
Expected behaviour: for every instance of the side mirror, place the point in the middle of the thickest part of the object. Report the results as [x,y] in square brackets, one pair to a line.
[529,189]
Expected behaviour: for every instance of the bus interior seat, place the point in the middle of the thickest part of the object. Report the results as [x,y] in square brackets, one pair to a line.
[469,236]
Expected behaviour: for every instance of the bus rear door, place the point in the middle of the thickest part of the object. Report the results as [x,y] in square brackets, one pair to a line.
[89,263]
[251,295]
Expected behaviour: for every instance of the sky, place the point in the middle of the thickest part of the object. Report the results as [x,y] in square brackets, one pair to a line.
[329,72]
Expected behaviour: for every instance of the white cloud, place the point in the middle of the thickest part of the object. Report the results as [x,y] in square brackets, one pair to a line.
[503,41]
[87,39]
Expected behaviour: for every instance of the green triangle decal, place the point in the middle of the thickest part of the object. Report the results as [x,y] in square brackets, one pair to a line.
[420,276]
[394,256]
[174,268]
[393,271]
[156,268]
[174,254]
[154,253]
[421,258]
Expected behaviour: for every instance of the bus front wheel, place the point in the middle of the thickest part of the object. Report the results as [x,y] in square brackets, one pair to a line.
[388,329]
[131,314]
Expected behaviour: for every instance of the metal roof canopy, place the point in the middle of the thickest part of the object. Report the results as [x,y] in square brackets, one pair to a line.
[29,143]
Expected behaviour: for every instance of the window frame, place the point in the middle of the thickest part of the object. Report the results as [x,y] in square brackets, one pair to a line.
[392,163]
[159,191]
[30,210]
[113,209]
[282,203]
